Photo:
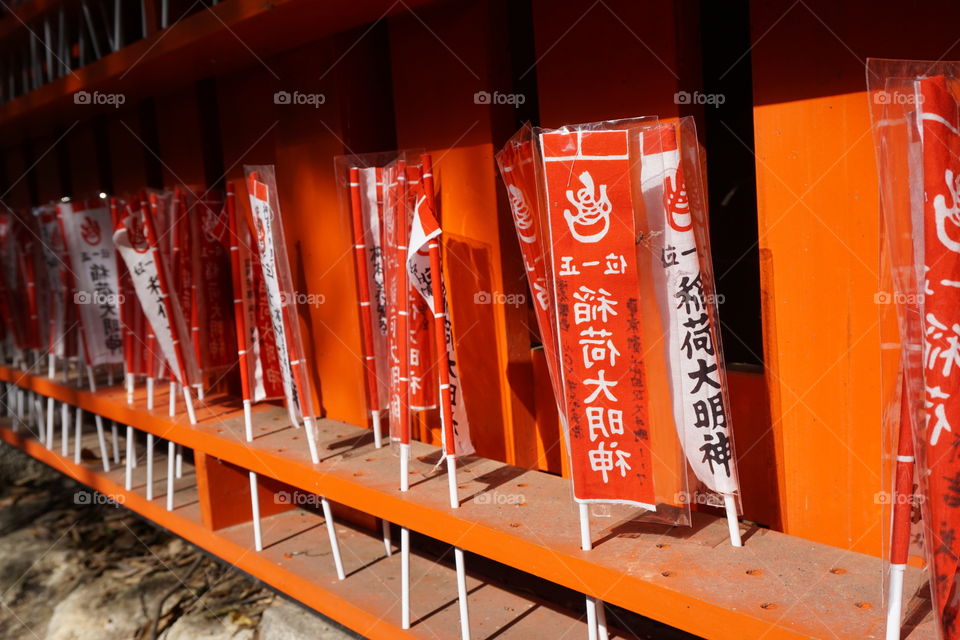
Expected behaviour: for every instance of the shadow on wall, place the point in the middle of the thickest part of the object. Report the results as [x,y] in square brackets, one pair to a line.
[474,329]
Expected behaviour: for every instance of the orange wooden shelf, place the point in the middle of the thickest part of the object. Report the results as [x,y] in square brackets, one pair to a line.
[776,586]
[296,560]
[231,35]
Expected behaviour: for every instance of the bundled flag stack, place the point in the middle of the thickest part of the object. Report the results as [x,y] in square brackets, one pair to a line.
[268,325]
[161,285]
[612,229]
[406,332]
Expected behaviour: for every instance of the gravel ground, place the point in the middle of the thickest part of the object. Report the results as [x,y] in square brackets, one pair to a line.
[75,568]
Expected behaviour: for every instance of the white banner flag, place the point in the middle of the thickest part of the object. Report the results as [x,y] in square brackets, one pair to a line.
[87,233]
[144,270]
[699,404]
[263,220]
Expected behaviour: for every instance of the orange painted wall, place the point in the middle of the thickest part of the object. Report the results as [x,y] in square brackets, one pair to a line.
[127,153]
[819,242]
[81,159]
[178,131]
[434,81]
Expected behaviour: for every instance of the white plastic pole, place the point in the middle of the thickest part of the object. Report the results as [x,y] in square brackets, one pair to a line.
[48,43]
[16,411]
[593,605]
[116,441]
[405,578]
[116,26]
[179,464]
[585,543]
[64,429]
[404,467]
[452,481]
[149,394]
[601,621]
[132,451]
[254,497]
[78,427]
[93,35]
[130,382]
[188,399]
[332,533]
[387,542]
[51,373]
[248,420]
[105,457]
[51,414]
[62,43]
[128,476]
[377,430]
[41,417]
[310,427]
[405,542]
[173,399]
[31,401]
[591,618]
[41,423]
[733,523]
[171,475]
[895,601]
[458,553]
[255,506]
[149,466]
[462,594]
[103,442]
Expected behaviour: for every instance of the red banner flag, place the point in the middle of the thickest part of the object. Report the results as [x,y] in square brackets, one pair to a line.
[55,261]
[211,273]
[592,234]
[940,140]
[371,203]
[517,169]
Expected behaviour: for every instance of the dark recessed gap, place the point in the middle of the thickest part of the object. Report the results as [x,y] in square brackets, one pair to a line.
[732,176]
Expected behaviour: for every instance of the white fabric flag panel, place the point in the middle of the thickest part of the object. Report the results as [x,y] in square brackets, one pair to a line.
[87,232]
[701,408]
[371,190]
[144,271]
